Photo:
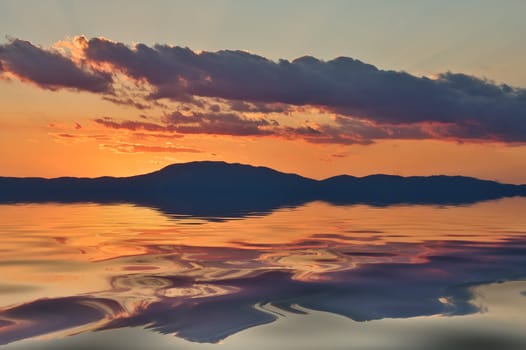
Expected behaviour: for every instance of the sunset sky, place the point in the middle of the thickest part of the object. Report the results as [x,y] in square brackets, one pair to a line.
[317,88]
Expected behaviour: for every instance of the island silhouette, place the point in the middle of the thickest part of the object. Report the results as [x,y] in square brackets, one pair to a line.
[219,189]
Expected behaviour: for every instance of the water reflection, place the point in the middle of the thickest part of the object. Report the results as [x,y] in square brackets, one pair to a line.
[77,268]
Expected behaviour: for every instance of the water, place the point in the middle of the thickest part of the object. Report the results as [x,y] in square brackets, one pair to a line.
[315,276]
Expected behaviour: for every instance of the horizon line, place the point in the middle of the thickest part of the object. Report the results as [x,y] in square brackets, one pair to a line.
[263,167]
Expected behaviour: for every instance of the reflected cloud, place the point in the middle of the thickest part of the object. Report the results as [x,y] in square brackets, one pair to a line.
[216,291]
[53,315]
[93,267]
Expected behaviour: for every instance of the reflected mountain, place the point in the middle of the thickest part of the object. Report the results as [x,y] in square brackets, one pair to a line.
[218,189]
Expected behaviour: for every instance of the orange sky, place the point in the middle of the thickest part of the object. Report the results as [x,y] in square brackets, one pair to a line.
[31,119]
[53,133]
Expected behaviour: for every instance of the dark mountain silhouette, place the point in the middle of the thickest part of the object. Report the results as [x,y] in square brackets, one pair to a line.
[218,189]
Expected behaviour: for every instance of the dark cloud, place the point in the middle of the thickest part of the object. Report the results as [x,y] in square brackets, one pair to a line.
[468,107]
[67,136]
[369,103]
[348,131]
[258,107]
[133,125]
[155,135]
[345,131]
[215,108]
[351,130]
[197,123]
[218,124]
[127,102]
[49,69]
[73,138]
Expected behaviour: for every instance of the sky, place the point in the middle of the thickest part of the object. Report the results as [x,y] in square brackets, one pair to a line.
[317,88]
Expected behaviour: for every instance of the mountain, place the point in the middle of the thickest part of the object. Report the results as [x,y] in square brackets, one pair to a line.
[218,189]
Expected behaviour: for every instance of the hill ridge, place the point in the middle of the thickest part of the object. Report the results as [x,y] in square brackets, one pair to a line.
[212,188]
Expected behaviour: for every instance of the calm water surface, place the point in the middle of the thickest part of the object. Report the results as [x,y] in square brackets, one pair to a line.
[316,276]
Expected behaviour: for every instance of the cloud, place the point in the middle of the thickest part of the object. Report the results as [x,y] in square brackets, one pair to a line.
[126,102]
[198,123]
[368,103]
[242,106]
[357,131]
[49,69]
[471,108]
[218,124]
[133,125]
[122,147]
[69,138]
[344,131]
[154,135]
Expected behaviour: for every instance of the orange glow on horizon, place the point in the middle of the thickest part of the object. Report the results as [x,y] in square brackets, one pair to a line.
[30,145]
